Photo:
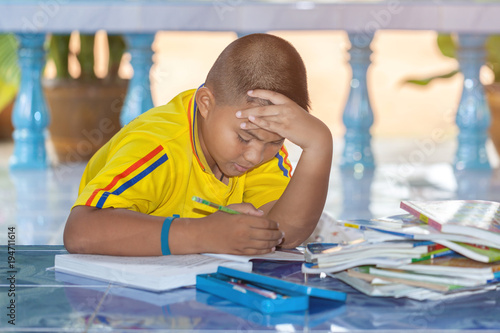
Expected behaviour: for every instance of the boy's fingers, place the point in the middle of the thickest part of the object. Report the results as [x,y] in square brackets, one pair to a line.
[260,111]
[272,96]
[247,125]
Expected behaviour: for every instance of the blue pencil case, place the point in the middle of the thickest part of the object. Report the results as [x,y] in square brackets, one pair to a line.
[263,293]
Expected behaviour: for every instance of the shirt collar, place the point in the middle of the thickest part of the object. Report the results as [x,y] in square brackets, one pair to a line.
[193,129]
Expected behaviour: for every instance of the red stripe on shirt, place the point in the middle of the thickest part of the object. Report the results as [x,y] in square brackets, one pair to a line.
[125,173]
[286,161]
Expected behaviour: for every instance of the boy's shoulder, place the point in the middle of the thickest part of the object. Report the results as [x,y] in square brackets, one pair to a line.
[165,122]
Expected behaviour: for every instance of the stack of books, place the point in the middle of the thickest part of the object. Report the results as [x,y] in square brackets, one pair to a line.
[440,249]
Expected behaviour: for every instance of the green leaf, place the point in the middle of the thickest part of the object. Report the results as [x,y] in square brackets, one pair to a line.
[58,52]
[8,92]
[493,55]
[447,46]
[9,68]
[426,81]
[116,49]
[86,56]
[10,74]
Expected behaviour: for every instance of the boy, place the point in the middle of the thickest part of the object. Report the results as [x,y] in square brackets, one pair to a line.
[223,143]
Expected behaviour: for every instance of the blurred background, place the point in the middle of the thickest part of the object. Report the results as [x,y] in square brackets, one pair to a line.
[402,110]
[411,162]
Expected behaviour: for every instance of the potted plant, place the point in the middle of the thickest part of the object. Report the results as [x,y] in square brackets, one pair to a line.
[84,110]
[448,47]
[10,77]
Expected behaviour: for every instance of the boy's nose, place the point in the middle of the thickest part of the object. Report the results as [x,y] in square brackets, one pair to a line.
[254,155]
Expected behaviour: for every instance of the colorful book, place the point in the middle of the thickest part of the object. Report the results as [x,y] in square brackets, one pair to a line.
[413,230]
[438,279]
[375,289]
[364,274]
[474,218]
[473,251]
[382,287]
[314,268]
[456,265]
[325,252]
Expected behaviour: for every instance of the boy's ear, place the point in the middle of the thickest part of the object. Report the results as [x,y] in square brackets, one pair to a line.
[205,101]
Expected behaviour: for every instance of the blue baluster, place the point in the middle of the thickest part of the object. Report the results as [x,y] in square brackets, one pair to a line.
[473,115]
[475,184]
[358,114]
[356,192]
[30,115]
[138,99]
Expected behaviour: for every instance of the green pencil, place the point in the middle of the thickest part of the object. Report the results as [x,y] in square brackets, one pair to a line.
[216,206]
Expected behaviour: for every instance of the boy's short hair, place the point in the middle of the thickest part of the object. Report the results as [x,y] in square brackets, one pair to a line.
[258,61]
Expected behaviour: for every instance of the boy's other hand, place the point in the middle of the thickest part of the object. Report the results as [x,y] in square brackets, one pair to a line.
[287,119]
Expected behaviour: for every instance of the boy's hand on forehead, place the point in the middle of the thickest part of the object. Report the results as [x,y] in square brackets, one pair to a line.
[285,118]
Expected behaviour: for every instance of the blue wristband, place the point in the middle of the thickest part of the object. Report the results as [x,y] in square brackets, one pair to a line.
[165,249]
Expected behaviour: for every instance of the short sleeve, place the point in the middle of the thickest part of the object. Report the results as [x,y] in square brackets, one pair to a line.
[134,174]
[268,182]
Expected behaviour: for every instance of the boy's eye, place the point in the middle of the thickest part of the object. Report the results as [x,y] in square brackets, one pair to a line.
[242,140]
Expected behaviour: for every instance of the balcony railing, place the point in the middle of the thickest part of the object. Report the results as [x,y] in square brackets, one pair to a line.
[472,21]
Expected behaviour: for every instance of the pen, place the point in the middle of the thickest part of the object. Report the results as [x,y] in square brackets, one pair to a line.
[216,206]
[245,286]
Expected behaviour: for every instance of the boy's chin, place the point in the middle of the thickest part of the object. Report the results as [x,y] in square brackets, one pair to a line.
[240,169]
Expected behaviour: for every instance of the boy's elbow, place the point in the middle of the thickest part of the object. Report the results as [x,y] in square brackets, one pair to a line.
[74,237]
[72,241]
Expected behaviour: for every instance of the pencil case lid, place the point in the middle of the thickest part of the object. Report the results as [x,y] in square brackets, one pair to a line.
[283,285]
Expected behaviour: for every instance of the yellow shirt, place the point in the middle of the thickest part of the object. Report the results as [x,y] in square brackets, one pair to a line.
[155,165]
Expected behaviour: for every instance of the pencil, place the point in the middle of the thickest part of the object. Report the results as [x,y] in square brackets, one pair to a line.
[216,206]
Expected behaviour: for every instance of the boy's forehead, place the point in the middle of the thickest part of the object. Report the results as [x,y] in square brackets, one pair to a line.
[260,134]
[245,104]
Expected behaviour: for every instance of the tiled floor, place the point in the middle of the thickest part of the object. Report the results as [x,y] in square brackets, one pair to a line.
[38,202]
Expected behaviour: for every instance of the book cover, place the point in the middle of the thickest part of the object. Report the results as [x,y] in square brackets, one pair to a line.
[446,280]
[473,251]
[278,255]
[317,252]
[314,268]
[149,273]
[476,218]
[416,231]
[363,273]
[456,265]
[376,289]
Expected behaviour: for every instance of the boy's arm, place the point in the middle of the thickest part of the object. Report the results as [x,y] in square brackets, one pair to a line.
[118,231]
[300,207]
